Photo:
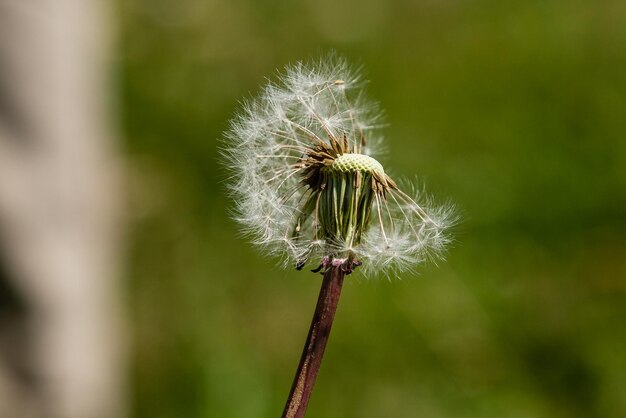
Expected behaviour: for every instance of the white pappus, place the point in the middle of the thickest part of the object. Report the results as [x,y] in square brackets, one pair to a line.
[307,186]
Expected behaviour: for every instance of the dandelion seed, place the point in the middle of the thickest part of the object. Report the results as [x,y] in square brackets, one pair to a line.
[302,159]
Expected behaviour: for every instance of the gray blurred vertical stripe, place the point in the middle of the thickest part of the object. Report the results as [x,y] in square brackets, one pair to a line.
[61,344]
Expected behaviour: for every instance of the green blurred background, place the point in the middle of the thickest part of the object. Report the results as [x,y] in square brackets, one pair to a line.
[515,111]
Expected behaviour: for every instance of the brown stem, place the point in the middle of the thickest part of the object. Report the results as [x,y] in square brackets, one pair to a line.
[315,343]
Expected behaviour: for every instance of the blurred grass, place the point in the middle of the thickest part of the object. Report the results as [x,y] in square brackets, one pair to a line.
[514,110]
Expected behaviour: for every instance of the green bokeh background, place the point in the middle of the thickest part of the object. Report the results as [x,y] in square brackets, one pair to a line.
[515,111]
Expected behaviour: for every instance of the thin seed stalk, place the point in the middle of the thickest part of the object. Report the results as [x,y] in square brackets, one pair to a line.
[315,343]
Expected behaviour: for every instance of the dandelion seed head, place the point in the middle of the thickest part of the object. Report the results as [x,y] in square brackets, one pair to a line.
[306,181]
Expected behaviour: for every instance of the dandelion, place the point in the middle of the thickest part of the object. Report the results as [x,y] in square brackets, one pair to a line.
[308,188]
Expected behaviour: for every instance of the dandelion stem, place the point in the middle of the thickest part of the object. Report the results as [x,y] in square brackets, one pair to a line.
[315,343]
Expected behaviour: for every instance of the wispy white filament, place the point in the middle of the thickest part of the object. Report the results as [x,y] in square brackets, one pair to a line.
[307,105]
